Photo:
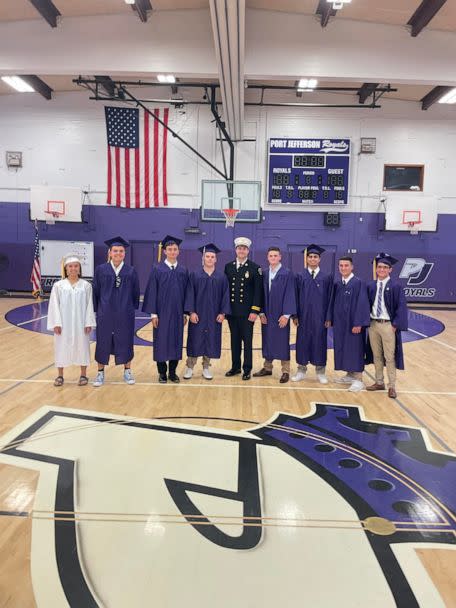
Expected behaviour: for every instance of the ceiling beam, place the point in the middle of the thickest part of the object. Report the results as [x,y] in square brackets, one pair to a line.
[366,90]
[142,7]
[433,96]
[47,10]
[325,11]
[423,14]
[107,83]
[38,85]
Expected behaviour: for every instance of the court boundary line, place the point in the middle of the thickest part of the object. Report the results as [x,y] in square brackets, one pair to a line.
[209,384]
[432,339]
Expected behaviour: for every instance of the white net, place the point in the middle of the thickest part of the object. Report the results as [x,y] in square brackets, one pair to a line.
[230,217]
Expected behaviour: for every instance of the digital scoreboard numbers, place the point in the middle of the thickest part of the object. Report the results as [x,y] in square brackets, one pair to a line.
[309,171]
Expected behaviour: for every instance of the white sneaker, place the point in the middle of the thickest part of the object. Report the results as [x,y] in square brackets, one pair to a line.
[207,374]
[322,379]
[347,379]
[298,377]
[188,373]
[356,386]
[128,376]
[99,380]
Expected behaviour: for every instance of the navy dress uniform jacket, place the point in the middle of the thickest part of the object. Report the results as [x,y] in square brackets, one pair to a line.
[246,288]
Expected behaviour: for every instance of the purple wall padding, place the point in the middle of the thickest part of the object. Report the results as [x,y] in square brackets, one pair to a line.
[289,230]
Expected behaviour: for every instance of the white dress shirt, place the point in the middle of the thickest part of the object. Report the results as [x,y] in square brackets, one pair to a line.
[118,268]
[350,276]
[384,314]
[315,271]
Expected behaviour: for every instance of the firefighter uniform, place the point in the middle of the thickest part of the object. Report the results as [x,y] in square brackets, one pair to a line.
[246,291]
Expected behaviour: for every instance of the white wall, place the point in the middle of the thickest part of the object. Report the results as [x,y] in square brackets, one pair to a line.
[64,143]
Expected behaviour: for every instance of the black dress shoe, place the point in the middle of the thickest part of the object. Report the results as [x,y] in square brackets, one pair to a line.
[162,379]
[284,378]
[246,376]
[174,378]
[262,372]
[232,372]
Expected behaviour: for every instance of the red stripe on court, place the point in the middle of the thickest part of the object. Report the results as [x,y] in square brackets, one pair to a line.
[165,145]
[146,160]
[109,176]
[127,177]
[137,186]
[118,177]
[156,199]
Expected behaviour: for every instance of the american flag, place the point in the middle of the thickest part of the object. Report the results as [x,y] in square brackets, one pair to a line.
[35,277]
[137,153]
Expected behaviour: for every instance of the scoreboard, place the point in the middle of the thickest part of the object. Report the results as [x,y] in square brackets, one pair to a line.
[309,171]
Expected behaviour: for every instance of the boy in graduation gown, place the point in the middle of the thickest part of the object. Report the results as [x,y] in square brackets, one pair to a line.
[164,299]
[207,301]
[314,290]
[350,315]
[246,285]
[279,303]
[389,316]
[115,299]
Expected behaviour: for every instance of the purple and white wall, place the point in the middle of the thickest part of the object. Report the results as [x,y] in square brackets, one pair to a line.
[63,143]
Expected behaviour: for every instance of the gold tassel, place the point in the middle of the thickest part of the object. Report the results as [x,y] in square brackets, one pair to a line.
[159,251]
[374,269]
[109,256]
[62,268]
[305,257]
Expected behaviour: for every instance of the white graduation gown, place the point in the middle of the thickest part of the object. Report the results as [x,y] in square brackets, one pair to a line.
[71,308]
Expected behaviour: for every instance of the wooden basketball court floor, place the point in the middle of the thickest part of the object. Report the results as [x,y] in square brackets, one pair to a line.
[225,493]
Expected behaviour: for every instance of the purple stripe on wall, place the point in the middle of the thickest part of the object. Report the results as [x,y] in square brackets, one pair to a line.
[290,230]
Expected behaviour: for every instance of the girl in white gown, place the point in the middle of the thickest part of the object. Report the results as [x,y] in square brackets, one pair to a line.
[71,318]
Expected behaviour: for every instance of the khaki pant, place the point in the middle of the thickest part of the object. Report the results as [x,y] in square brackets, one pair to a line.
[285,366]
[383,342]
[191,362]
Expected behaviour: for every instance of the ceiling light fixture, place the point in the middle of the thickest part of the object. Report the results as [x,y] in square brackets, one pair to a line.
[449,97]
[169,78]
[338,4]
[18,84]
[307,84]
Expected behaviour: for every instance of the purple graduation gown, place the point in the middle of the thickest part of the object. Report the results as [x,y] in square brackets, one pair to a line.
[165,297]
[313,301]
[350,308]
[115,308]
[280,300]
[208,296]
[396,306]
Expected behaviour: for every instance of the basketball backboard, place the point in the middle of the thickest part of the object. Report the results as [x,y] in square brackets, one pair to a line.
[414,215]
[218,196]
[53,204]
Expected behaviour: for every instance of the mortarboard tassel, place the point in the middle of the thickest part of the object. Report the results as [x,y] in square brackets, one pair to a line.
[305,257]
[159,251]
[374,269]
[62,268]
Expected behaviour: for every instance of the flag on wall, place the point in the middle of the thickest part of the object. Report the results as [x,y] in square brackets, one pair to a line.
[137,155]
[35,277]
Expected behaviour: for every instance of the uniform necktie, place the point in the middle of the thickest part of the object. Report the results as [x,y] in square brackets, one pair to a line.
[343,282]
[379,301]
[313,274]
[172,267]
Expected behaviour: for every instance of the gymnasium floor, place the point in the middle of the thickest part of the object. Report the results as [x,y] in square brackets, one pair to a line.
[225,493]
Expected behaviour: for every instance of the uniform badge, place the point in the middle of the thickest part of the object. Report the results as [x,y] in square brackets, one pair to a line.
[247,274]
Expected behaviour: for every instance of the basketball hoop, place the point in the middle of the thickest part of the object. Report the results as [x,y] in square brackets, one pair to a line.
[230,217]
[51,217]
[412,219]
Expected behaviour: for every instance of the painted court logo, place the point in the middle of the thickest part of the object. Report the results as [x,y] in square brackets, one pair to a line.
[417,271]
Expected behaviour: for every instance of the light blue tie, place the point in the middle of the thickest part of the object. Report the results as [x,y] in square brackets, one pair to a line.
[379,301]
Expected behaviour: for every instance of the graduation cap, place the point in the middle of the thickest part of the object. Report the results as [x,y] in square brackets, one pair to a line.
[168,240]
[209,248]
[312,248]
[382,258]
[117,241]
[68,259]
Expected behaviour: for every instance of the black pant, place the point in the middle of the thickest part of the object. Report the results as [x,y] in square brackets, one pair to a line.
[163,368]
[241,330]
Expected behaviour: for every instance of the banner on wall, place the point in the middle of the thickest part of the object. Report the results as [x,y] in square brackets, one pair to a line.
[137,147]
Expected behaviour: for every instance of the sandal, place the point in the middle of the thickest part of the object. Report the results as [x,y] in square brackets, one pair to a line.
[58,381]
[83,380]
